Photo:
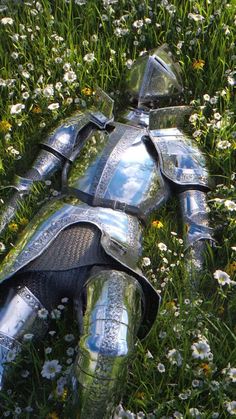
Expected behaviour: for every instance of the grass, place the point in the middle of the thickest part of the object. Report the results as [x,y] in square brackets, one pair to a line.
[165,379]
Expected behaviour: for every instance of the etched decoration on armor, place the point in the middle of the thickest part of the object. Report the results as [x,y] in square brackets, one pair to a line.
[180,160]
[114,174]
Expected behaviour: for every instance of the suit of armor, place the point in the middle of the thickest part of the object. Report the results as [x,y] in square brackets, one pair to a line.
[114,174]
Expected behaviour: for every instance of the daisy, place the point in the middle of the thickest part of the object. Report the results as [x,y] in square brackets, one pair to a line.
[222,277]
[50,369]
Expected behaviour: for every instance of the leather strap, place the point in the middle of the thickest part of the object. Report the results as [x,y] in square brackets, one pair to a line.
[103,202]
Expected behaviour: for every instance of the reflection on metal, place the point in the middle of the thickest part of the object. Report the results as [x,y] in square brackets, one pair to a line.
[153,76]
[180,159]
[22,184]
[18,316]
[135,117]
[103,103]
[46,164]
[169,117]
[123,171]
[63,138]
[195,217]
[111,321]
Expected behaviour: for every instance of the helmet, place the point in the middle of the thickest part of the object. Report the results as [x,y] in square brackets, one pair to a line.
[154,76]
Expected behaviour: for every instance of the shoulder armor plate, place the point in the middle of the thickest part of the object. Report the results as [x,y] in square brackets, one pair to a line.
[180,159]
[63,139]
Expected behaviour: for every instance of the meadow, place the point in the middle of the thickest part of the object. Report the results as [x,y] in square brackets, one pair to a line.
[53,54]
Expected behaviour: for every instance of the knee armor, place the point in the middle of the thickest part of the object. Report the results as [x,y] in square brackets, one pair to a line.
[111,321]
[18,316]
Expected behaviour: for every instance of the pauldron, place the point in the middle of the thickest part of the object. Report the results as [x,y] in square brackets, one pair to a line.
[181,161]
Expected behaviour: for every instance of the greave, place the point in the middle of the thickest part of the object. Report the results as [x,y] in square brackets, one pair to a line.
[111,321]
[18,316]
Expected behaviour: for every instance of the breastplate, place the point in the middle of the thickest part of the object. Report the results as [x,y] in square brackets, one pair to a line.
[117,165]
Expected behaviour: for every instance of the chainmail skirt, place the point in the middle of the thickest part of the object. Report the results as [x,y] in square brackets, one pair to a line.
[63,268]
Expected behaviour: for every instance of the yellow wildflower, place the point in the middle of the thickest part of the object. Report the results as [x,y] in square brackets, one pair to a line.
[87,91]
[157,224]
[5,126]
[206,368]
[13,227]
[221,310]
[52,415]
[36,109]
[64,395]
[140,395]
[171,305]
[198,64]
[231,269]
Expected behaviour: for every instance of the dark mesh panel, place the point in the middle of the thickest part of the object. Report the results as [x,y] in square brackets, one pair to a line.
[77,245]
[51,287]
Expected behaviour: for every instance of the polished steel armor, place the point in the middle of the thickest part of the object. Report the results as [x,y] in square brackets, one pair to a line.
[114,174]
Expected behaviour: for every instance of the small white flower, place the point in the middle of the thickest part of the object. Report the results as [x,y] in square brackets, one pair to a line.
[230,205]
[138,24]
[58,60]
[25,95]
[222,277]
[18,410]
[232,374]
[194,412]
[2,247]
[17,108]
[25,374]
[89,58]
[231,407]
[195,383]
[11,355]
[175,357]
[67,66]
[177,415]
[25,74]
[28,336]
[162,247]
[65,300]
[50,369]
[201,350]
[14,55]
[7,21]
[48,91]
[161,367]
[53,106]
[223,145]
[129,63]
[43,313]
[55,314]
[146,261]
[48,350]
[69,337]
[70,76]
[58,85]
[149,355]
[196,17]
[70,351]
[206,97]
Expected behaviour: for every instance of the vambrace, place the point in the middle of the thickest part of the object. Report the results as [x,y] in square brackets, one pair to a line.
[196,229]
[44,166]
[111,321]
[18,316]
